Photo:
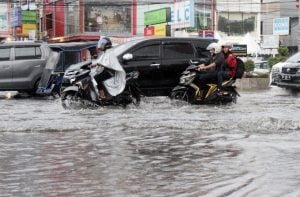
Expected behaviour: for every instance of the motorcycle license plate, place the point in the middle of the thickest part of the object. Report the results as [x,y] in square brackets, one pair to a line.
[286,77]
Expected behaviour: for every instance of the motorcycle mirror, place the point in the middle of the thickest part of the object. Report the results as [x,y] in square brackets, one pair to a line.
[127,56]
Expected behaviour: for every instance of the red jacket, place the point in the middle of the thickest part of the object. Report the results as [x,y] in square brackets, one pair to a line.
[231,63]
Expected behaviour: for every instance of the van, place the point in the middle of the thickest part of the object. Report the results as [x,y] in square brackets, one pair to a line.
[21,65]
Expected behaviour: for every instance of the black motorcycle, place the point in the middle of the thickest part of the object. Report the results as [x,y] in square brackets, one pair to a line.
[189,90]
[79,91]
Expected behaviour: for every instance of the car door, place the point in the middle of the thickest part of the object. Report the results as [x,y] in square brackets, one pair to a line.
[5,68]
[146,60]
[27,67]
[176,56]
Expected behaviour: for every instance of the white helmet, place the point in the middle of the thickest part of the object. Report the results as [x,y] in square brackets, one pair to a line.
[215,46]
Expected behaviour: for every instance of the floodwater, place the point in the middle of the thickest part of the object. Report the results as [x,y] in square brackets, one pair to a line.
[160,148]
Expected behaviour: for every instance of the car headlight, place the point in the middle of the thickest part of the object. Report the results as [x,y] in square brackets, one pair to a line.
[276,69]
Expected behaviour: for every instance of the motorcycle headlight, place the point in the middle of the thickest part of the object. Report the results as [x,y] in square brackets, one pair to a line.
[72,80]
[182,80]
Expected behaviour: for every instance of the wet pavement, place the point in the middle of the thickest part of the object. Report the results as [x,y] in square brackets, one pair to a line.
[161,148]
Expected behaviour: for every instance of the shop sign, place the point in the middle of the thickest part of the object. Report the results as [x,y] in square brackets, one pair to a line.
[157,16]
[182,15]
[157,30]
[27,28]
[281,26]
[206,34]
[28,17]
[149,31]
[239,50]
[162,30]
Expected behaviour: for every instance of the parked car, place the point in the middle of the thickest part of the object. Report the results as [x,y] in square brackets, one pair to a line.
[261,67]
[160,61]
[22,64]
[63,55]
[289,73]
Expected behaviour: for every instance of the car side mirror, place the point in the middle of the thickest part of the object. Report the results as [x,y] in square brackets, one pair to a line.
[127,56]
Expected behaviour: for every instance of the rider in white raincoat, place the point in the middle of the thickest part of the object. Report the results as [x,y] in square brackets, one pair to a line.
[116,84]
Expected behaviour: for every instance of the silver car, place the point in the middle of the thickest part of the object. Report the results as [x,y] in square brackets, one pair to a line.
[289,77]
[21,65]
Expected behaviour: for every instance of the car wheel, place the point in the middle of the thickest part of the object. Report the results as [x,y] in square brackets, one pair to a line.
[32,92]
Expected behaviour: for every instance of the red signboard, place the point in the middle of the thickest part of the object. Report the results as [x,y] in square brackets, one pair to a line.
[149,31]
[206,34]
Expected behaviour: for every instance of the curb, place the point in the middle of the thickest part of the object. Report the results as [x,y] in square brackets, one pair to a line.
[252,83]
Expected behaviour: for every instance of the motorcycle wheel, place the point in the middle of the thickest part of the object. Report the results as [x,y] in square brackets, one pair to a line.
[180,95]
[234,97]
[136,99]
[70,100]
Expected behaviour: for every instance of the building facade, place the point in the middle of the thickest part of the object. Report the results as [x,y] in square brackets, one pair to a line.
[280,24]
[254,22]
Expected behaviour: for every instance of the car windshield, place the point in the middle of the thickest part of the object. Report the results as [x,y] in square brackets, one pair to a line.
[294,58]
[125,46]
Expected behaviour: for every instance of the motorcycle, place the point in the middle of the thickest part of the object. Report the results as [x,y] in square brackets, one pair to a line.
[188,89]
[80,91]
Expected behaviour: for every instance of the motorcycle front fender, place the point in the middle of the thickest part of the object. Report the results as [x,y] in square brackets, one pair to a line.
[71,88]
[179,88]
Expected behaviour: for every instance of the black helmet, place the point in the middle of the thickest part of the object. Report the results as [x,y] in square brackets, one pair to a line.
[106,42]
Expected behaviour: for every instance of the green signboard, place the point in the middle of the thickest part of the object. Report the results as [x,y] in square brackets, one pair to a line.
[28,17]
[157,16]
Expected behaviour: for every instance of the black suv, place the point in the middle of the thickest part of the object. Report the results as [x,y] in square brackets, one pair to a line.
[160,61]
[22,64]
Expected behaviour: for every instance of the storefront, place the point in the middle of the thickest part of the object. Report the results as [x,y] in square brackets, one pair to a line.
[69,20]
[196,17]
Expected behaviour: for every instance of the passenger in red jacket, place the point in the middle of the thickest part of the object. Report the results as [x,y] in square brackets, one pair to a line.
[228,68]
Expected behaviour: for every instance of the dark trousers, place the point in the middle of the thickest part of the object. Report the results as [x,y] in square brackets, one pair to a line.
[221,76]
[207,77]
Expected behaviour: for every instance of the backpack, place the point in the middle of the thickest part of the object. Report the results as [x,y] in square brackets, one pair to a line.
[240,68]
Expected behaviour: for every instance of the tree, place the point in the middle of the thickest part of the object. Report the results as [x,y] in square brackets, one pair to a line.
[249,65]
[283,53]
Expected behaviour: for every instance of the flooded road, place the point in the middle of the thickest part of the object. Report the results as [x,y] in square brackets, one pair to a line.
[161,148]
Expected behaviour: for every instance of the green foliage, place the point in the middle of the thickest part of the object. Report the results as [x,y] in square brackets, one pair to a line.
[249,65]
[283,53]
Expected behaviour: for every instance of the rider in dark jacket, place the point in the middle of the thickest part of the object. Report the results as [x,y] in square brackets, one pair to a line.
[215,64]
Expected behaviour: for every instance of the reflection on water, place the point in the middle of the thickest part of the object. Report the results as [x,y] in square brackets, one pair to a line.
[161,148]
